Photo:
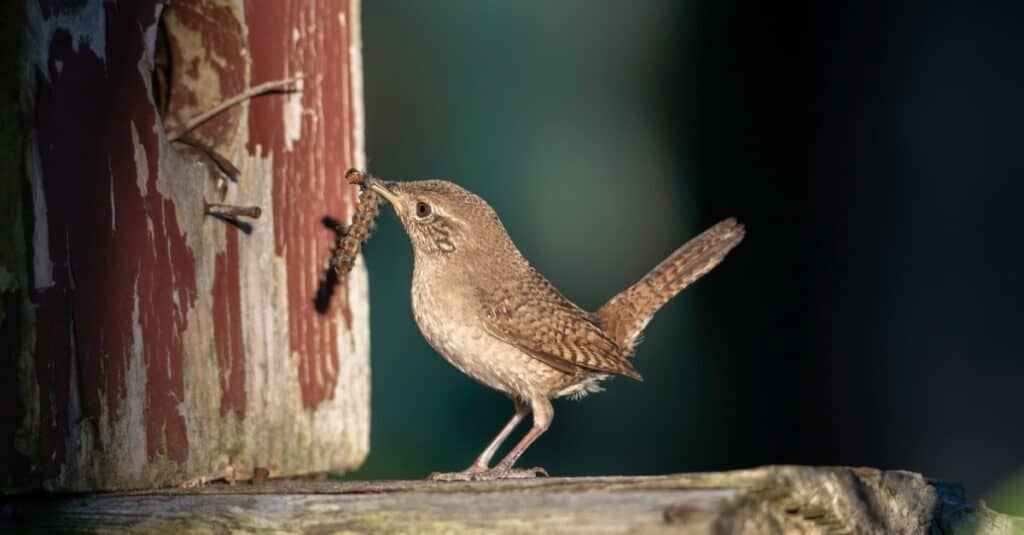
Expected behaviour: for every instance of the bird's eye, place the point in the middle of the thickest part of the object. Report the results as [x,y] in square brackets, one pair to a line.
[422,209]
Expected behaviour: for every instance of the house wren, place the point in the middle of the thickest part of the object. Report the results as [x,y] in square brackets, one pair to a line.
[481,305]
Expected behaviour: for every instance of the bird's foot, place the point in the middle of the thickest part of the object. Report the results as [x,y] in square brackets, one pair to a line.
[489,474]
[524,473]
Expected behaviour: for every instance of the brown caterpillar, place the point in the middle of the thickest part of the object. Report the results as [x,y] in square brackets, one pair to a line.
[350,239]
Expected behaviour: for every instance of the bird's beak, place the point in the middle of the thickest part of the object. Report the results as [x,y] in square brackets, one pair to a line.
[384,189]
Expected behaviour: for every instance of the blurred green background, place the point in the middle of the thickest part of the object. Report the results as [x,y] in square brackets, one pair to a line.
[548,115]
[870,318]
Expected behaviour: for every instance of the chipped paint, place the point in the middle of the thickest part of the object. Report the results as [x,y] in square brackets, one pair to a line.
[310,176]
[206,41]
[350,418]
[206,355]
[132,427]
[228,330]
[149,39]
[42,266]
[292,119]
[141,165]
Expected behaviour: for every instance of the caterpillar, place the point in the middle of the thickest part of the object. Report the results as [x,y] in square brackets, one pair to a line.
[351,238]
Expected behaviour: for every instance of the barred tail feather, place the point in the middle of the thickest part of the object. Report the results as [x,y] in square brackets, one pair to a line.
[625,315]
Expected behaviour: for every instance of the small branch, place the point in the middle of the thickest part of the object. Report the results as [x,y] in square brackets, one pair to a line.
[222,163]
[255,91]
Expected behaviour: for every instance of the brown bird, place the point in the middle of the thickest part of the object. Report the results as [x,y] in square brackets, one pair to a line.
[481,305]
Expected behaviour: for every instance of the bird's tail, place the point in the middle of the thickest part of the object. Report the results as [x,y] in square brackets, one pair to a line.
[625,315]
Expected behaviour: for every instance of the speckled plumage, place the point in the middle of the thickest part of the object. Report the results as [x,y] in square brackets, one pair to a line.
[489,313]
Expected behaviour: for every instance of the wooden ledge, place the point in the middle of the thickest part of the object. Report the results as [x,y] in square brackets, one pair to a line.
[760,500]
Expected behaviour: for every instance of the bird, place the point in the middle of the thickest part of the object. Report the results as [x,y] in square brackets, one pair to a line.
[481,305]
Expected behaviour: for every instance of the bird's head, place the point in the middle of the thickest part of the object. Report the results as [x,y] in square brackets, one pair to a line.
[441,218]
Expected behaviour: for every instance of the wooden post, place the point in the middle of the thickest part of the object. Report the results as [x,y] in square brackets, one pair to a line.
[157,345]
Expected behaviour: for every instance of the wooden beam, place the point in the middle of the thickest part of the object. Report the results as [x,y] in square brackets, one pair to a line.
[762,500]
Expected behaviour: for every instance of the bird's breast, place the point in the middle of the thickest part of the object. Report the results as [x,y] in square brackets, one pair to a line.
[449,324]
[447,317]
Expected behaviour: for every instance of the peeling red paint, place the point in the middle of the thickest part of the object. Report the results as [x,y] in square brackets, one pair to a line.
[310,175]
[107,254]
[227,326]
[173,267]
[222,38]
[124,315]
[223,46]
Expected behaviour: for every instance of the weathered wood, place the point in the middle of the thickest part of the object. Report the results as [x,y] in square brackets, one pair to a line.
[763,500]
[152,343]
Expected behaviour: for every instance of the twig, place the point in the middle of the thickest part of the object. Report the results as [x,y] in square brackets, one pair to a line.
[222,163]
[254,91]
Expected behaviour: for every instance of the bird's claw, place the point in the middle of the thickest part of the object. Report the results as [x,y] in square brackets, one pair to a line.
[476,474]
[526,473]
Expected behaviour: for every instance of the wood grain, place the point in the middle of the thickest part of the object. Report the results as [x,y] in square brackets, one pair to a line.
[763,500]
[157,345]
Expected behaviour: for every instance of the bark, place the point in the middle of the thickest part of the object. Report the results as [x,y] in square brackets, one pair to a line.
[152,344]
[777,499]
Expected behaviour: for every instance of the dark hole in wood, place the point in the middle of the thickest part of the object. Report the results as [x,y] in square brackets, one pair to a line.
[163,80]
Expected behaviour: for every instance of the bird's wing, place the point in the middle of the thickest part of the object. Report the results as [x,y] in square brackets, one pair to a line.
[529,313]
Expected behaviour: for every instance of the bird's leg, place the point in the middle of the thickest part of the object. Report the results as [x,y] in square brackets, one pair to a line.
[484,460]
[543,413]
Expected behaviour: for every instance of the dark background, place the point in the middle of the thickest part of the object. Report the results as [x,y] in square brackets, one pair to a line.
[871,317]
